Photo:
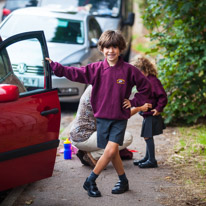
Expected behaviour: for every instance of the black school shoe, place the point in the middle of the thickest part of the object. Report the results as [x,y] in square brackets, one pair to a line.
[91,188]
[120,187]
[80,154]
[137,162]
[148,164]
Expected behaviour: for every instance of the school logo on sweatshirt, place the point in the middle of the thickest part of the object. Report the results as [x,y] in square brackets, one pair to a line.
[120,81]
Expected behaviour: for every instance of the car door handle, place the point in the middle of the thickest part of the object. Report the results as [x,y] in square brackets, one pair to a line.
[51,111]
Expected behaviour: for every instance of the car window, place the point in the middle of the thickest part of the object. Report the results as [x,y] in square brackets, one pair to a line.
[7,75]
[4,69]
[127,7]
[26,60]
[55,29]
[13,4]
[22,64]
[68,31]
[95,7]
[94,29]
[103,7]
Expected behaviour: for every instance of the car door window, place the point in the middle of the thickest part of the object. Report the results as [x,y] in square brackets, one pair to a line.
[7,75]
[28,67]
[4,65]
[94,29]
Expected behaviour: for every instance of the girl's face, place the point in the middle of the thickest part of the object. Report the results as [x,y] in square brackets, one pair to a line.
[111,54]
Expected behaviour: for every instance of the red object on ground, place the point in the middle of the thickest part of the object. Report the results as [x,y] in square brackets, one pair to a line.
[131,150]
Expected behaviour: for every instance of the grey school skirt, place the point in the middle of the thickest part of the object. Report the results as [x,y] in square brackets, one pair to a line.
[152,125]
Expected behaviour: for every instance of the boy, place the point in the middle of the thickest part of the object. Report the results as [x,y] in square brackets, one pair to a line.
[112,81]
[83,132]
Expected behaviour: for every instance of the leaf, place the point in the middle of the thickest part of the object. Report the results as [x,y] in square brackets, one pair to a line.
[186,7]
[29,202]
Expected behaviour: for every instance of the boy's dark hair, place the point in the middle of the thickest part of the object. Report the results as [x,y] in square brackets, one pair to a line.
[111,38]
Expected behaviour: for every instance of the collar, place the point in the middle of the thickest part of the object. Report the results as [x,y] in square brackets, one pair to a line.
[106,64]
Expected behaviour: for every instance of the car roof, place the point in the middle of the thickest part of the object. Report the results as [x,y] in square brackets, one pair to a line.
[37,11]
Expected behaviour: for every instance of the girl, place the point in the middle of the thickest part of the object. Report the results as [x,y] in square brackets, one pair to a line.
[152,123]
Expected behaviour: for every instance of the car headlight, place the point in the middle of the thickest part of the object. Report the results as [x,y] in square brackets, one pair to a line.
[71,91]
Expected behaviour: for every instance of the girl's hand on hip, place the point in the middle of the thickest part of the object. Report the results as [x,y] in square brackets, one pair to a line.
[155,112]
[145,107]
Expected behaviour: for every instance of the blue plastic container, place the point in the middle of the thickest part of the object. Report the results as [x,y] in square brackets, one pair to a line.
[67,150]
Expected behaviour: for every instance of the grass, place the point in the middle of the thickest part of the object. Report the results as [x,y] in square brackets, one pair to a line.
[60,132]
[193,139]
[64,138]
[188,161]
[190,158]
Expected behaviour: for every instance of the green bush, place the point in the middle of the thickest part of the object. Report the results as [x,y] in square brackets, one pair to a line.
[180,28]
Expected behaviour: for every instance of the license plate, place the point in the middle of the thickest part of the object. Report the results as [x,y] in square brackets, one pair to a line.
[31,82]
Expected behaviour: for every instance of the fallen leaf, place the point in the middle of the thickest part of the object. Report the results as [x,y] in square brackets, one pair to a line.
[29,202]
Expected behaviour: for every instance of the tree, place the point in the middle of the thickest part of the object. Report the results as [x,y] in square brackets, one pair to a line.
[179,28]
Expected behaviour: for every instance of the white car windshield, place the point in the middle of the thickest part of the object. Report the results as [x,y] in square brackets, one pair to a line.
[55,29]
[95,7]
[14,4]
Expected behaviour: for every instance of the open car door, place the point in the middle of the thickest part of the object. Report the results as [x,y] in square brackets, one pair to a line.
[29,120]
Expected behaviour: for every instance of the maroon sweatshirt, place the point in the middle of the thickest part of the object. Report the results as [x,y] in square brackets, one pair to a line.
[110,86]
[158,97]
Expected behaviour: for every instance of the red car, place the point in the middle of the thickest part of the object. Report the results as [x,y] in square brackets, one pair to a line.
[29,120]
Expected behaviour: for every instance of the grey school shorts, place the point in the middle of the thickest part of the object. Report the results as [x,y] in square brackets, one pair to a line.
[110,130]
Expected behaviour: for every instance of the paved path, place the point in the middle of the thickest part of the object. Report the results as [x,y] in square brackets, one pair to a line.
[64,188]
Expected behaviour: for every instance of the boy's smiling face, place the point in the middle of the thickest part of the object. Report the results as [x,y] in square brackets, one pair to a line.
[111,54]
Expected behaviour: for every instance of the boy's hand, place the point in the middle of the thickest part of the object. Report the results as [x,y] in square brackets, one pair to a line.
[48,59]
[126,104]
[155,112]
[145,107]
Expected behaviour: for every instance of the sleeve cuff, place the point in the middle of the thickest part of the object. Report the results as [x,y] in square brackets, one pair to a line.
[132,103]
[159,109]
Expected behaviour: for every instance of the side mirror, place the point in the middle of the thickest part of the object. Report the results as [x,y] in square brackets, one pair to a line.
[130,19]
[8,93]
[94,42]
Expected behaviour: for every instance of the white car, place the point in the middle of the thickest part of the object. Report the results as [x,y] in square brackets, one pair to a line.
[111,15]
[71,39]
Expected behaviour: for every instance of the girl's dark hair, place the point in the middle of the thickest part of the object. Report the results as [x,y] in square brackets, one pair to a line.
[145,65]
[111,38]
